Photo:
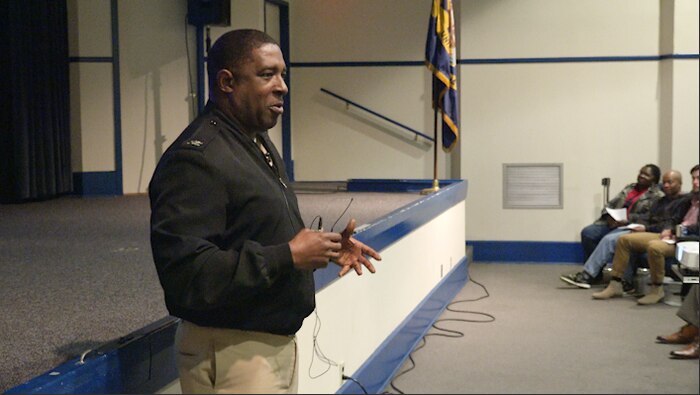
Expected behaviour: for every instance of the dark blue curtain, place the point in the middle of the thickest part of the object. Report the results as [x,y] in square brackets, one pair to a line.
[35,158]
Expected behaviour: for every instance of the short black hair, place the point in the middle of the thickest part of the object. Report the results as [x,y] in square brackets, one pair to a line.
[655,171]
[232,49]
[694,169]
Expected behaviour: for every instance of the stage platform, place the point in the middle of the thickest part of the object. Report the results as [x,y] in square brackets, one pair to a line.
[77,274]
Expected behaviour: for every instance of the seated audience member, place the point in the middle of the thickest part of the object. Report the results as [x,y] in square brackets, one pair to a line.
[658,241]
[638,199]
[688,334]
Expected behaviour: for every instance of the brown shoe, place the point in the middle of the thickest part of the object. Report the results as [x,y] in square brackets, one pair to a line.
[684,336]
[691,351]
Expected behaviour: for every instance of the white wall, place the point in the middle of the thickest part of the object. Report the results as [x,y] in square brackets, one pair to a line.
[600,119]
[157,101]
[685,117]
[91,99]
[584,115]
[685,127]
[154,83]
[330,143]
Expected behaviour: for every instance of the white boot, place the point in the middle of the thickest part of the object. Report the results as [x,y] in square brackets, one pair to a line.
[655,295]
[614,290]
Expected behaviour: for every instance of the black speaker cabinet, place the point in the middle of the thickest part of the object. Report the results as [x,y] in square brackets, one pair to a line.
[209,12]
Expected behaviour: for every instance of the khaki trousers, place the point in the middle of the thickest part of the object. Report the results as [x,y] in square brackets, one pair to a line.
[640,242]
[217,360]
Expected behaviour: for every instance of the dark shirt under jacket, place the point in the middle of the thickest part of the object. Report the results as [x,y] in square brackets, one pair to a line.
[221,220]
[680,209]
[661,215]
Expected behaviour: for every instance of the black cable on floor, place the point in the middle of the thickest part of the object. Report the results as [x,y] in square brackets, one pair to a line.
[450,332]
[356,382]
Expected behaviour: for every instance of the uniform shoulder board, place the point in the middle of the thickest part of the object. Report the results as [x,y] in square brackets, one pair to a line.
[202,135]
[194,143]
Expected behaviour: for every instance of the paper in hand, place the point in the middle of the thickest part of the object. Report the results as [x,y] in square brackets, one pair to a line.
[618,214]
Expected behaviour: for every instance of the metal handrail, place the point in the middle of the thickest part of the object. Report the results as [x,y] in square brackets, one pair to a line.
[376,114]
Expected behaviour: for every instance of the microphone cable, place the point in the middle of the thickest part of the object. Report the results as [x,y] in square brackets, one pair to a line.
[317,350]
[318,353]
[449,332]
[341,215]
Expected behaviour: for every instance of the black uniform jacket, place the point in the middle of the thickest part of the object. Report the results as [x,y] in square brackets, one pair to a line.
[221,220]
[664,214]
[680,209]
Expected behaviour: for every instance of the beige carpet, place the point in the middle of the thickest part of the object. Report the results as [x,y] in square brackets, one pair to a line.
[548,337]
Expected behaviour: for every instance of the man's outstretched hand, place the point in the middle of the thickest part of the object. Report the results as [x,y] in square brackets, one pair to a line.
[352,253]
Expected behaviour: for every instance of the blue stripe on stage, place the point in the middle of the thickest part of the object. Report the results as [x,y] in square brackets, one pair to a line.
[385,185]
[141,362]
[400,222]
[379,369]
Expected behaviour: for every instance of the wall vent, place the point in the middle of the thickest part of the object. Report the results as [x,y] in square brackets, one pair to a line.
[532,185]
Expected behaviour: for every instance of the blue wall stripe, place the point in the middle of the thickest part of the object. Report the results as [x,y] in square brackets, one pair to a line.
[287,114]
[681,56]
[118,181]
[90,59]
[569,59]
[358,64]
[201,67]
[577,59]
[526,251]
[96,183]
[108,59]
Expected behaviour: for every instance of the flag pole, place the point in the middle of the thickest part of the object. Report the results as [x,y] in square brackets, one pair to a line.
[436,184]
[441,59]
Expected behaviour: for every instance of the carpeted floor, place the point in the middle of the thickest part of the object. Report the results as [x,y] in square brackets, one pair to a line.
[546,337]
[76,273]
